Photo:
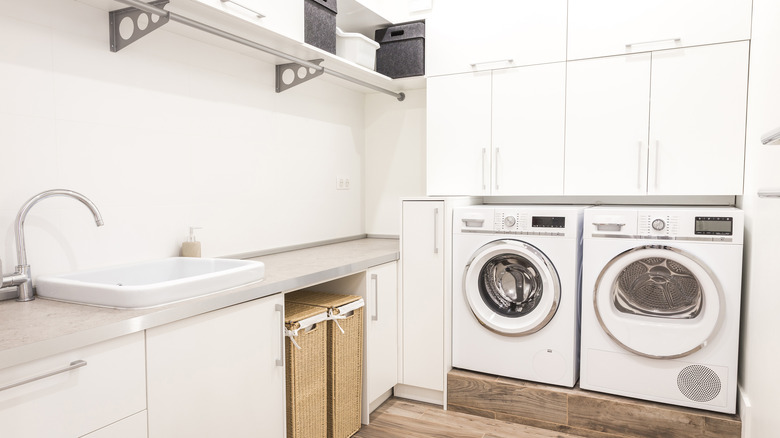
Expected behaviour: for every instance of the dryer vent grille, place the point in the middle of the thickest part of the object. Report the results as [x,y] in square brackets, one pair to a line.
[699,383]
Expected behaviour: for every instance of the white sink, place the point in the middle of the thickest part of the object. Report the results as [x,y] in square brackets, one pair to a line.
[150,284]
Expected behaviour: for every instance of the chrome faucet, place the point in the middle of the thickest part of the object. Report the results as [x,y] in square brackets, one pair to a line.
[22,278]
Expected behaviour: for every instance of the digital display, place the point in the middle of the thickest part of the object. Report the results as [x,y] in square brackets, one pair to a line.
[548,222]
[721,226]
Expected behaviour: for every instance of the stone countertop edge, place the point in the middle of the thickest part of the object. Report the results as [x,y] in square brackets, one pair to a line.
[42,328]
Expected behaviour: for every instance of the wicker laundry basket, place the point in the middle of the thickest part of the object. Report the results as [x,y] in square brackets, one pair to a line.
[345,358]
[306,370]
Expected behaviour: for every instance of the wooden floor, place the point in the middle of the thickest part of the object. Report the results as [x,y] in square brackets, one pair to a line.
[400,418]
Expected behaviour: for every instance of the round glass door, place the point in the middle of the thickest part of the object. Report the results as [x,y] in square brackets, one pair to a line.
[658,301]
[512,287]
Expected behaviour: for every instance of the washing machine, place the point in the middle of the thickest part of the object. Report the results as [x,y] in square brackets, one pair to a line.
[515,304]
[661,293]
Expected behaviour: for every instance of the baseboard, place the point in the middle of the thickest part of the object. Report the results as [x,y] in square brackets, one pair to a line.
[745,414]
[419,394]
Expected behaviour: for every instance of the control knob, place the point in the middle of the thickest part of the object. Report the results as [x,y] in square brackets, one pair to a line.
[658,224]
[510,221]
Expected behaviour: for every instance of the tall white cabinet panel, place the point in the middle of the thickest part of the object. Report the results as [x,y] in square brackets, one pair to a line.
[464,36]
[607,105]
[218,374]
[612,27]
[422,257]
[459,123]
[697,114]
[108,387]
[528,130]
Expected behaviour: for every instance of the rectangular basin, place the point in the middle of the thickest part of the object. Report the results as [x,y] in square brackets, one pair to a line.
[150,284]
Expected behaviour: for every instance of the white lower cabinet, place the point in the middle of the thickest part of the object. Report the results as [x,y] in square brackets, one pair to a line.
[220,374]
[110,387]
[131,427]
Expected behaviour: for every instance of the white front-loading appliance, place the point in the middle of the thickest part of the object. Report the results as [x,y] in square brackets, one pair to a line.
[661,293]
[515,304]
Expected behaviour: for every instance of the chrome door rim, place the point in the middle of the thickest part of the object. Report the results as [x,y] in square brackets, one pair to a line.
[487,317]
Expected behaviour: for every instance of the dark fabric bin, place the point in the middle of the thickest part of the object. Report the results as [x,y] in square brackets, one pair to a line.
[319,24]
[401,50]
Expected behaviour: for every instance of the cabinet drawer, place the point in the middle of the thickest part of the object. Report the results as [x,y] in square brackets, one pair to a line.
[613,27]
[110,387]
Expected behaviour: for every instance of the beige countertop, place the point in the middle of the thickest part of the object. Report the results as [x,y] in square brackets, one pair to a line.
[41,328]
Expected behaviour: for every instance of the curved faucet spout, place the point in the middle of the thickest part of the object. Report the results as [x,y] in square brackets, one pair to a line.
[25,289]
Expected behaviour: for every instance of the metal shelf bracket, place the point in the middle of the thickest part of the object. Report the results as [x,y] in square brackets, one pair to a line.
[129,25]
[292,74]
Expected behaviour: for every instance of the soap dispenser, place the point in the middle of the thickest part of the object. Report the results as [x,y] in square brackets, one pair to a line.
[191,248]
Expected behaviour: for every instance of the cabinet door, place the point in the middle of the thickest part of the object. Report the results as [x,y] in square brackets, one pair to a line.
[218,374]
[72,403]
[422,259]
[381,330]
[528,130]
[612,27]
[697,120]
[283,17]
[458,146]
[501,33]
[607,125]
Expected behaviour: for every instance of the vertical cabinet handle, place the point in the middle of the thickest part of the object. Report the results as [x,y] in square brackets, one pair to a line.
[655,170]
[72,366]
[639,167]
[280,360]
[498,158]
[375,285]
[435,230]
[484,153]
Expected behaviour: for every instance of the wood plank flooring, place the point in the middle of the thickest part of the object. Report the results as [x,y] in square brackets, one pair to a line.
[400,418]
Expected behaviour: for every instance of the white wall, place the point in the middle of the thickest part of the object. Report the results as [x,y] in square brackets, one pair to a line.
[760,354]
[395,158]
[167,133]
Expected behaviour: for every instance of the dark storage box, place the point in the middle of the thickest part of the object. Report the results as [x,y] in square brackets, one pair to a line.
[401,50]
[319,24]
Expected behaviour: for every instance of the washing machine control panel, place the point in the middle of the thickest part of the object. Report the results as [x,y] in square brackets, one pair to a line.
[515,222]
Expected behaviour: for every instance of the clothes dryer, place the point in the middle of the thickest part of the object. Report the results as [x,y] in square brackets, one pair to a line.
[516,291]
[661,293]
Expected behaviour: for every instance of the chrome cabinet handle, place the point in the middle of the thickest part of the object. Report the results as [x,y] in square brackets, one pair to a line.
[498,158]
[375,282]
[639,167]
[769,194]
[280,361]
[435,230]
[73,365]
[484,152]
[655,171]
[259,15]
[495,61]
[676,40]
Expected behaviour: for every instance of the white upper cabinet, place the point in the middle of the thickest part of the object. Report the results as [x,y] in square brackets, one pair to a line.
[465,36]
[661,123]
[497,133]
[606,125]
[283,17]
[611,27]
[697,120]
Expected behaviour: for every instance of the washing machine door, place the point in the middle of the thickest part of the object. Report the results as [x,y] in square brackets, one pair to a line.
[658,301]
[512,287]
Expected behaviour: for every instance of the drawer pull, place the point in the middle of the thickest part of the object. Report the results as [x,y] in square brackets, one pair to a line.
[73,365]
[259,15]
[675,40]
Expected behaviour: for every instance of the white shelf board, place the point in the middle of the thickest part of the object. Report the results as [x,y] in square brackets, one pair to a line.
[197,11]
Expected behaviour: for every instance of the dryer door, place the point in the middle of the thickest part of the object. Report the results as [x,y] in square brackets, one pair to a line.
[512,287]
[658,302]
